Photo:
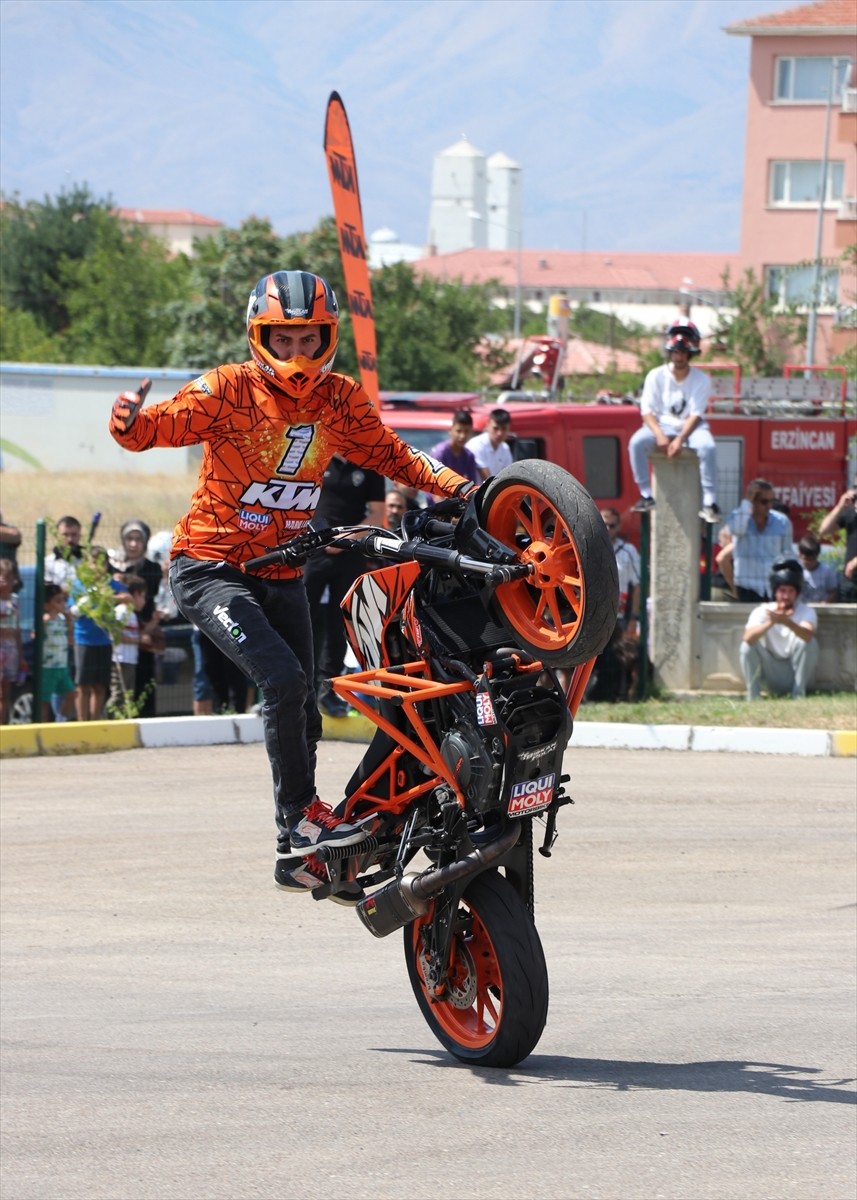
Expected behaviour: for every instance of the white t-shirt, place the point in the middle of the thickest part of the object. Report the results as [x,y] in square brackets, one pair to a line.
[487,456]
[671,402]
[628,566]
[780,640]
[128,652]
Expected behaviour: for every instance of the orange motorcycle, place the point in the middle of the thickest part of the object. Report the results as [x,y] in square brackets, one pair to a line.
[475,643]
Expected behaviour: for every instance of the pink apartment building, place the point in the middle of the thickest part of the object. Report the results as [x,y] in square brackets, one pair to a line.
[796,55]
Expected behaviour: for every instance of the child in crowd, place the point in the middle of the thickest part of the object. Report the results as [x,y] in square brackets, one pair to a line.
[57,685]
[11,659]
[820,583]
[93,648]
[126,651]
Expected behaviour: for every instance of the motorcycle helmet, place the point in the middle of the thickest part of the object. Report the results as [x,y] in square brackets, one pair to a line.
[785,570]
[293,298]
[682,335]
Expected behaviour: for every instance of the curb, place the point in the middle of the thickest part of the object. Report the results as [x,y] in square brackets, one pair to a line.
[98,737]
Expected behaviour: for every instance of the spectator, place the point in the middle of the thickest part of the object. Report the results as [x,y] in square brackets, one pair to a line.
[349,494]
[135,537]
[491,448]
[820,585]
[454,451]
[844,516]
[780,649]
[675,399]
[758,536]
[395,507]
[126,651]
[57,685]
[10,540]
[67,553]
[93,646]
[615,665]
[11,658]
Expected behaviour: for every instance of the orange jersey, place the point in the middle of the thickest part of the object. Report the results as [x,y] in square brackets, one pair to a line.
[264,456]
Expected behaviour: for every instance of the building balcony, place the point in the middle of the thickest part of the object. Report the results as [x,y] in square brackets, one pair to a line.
[845,231]
[846,120]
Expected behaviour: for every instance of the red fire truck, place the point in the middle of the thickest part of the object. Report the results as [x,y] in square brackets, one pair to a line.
[800,434]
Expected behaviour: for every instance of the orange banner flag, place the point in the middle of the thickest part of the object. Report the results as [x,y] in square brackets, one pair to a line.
[342,169]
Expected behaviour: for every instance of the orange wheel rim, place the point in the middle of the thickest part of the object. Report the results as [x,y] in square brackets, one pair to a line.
[471,1007]
[546,608]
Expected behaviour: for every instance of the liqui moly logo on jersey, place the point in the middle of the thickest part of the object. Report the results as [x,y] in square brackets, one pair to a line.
[531,796]
[485,709]
[253,522]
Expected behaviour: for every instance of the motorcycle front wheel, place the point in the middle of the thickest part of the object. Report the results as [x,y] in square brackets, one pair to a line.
[565,612]
[495,1003]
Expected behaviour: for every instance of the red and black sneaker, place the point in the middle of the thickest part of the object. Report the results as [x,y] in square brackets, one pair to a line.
[304,875]
[319,826]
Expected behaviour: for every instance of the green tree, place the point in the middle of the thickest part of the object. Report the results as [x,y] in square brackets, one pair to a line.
[208,325]
[432,334]
[23,338]
[118,297]
[757,334]
[37,238]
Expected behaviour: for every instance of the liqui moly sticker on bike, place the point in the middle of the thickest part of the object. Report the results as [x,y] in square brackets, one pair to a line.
[531,796]
[485,709]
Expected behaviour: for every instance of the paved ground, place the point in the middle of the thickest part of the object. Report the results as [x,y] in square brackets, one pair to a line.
[176,1029]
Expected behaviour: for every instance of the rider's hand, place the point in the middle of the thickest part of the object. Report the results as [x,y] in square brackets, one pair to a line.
[126,406]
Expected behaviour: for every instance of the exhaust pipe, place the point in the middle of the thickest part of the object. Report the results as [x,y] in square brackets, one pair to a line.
[403,900]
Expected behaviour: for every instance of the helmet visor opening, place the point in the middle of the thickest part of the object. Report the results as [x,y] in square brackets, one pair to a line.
[322,329]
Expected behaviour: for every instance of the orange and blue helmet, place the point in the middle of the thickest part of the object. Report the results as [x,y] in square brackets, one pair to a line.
[293,298]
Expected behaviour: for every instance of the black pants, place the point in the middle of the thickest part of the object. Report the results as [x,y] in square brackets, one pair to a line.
[336,571]
[263,626]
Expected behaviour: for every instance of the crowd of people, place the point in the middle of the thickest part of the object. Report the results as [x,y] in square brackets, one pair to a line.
[93,665]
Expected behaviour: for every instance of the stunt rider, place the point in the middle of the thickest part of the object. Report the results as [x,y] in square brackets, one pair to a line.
[268,428]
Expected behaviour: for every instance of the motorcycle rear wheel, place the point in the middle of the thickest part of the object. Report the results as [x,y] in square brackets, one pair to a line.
[496,1003]
[565,612]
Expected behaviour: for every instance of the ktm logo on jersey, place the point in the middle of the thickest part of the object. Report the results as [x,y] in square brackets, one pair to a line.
[300,497]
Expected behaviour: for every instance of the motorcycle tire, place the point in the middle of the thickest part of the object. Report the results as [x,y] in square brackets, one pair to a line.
[496,1003]
[565,612]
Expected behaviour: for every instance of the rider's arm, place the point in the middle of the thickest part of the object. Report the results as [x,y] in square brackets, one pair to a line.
[193,415]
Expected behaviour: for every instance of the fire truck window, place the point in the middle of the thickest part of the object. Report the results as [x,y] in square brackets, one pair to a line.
[601,467]
[522,447]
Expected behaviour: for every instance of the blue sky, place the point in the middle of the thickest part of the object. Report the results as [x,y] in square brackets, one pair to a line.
[627,116]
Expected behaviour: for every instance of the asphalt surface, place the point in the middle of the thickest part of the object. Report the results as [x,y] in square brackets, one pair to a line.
[177,1029]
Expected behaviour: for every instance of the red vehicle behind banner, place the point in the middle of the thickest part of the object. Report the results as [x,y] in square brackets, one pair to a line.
[804,447]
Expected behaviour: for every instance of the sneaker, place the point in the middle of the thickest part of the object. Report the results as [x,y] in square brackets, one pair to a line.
[710,513]
[644,504]
[308,874]
[331,704]
[319,826]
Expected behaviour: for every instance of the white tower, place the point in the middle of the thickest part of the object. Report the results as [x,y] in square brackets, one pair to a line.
[458,217]
[505,203]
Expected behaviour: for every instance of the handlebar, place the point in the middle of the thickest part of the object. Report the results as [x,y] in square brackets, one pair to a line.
[379,543]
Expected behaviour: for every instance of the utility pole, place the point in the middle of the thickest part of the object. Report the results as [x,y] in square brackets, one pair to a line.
[809,356]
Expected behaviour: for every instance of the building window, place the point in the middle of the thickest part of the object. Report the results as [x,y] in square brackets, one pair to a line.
[807,80]
[793,285]
[798,182]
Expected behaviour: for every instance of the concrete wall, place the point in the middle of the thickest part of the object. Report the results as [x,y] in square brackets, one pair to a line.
[54,418]
[720,629]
